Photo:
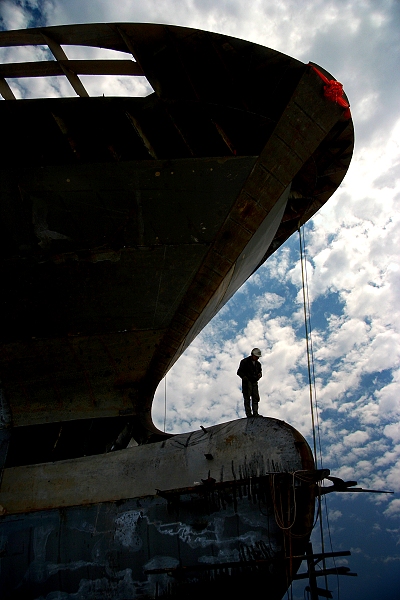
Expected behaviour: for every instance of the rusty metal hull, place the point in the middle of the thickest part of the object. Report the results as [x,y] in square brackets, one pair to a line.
[127,223]
[239,504]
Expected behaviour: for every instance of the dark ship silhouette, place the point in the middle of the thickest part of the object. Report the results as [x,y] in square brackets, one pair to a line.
[127,223]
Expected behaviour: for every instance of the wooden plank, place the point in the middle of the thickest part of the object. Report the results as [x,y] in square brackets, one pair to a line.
[54,68]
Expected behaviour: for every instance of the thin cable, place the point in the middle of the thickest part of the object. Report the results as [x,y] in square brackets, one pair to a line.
[331,545]
[159,285]
[312,352]
[303,280]
[311,380]
[279,518]
[165,401]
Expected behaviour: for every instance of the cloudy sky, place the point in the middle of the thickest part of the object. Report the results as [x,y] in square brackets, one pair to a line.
[353,247]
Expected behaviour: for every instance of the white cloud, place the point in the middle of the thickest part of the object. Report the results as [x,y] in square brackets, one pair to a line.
[388,397]
[393,509]
[269,301]
[14,15]
[356,438]
[393,431]
[334,515]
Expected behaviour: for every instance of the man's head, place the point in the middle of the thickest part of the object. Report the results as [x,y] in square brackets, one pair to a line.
[255,353]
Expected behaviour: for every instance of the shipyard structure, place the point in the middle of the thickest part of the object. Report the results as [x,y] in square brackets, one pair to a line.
[126,224]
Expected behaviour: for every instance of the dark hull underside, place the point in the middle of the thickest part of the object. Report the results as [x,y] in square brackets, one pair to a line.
[127,223]
[234,505]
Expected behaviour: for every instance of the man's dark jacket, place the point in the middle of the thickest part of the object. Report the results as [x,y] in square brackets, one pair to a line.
[249,368]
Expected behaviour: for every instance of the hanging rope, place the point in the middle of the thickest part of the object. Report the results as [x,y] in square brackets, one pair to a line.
[165,401]
[314,387]
[278,512]
[307,333]
[311,381]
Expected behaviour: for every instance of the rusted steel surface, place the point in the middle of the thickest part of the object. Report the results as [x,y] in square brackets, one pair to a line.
[148,548]
[129,222]
[248,447]
[91,319]
[220,522]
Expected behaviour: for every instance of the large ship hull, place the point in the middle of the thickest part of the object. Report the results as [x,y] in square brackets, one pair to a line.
[197,514]
[127,224]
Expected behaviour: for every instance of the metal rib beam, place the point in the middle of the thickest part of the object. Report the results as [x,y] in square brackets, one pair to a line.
[102,35]
[54,68]
[5,90]
[62,58]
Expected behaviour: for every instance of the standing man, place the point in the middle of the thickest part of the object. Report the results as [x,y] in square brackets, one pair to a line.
[250,372]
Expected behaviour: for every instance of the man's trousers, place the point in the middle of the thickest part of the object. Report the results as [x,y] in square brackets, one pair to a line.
[251,397]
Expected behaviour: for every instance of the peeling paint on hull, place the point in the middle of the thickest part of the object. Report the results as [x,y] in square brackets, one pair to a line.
[199,539]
